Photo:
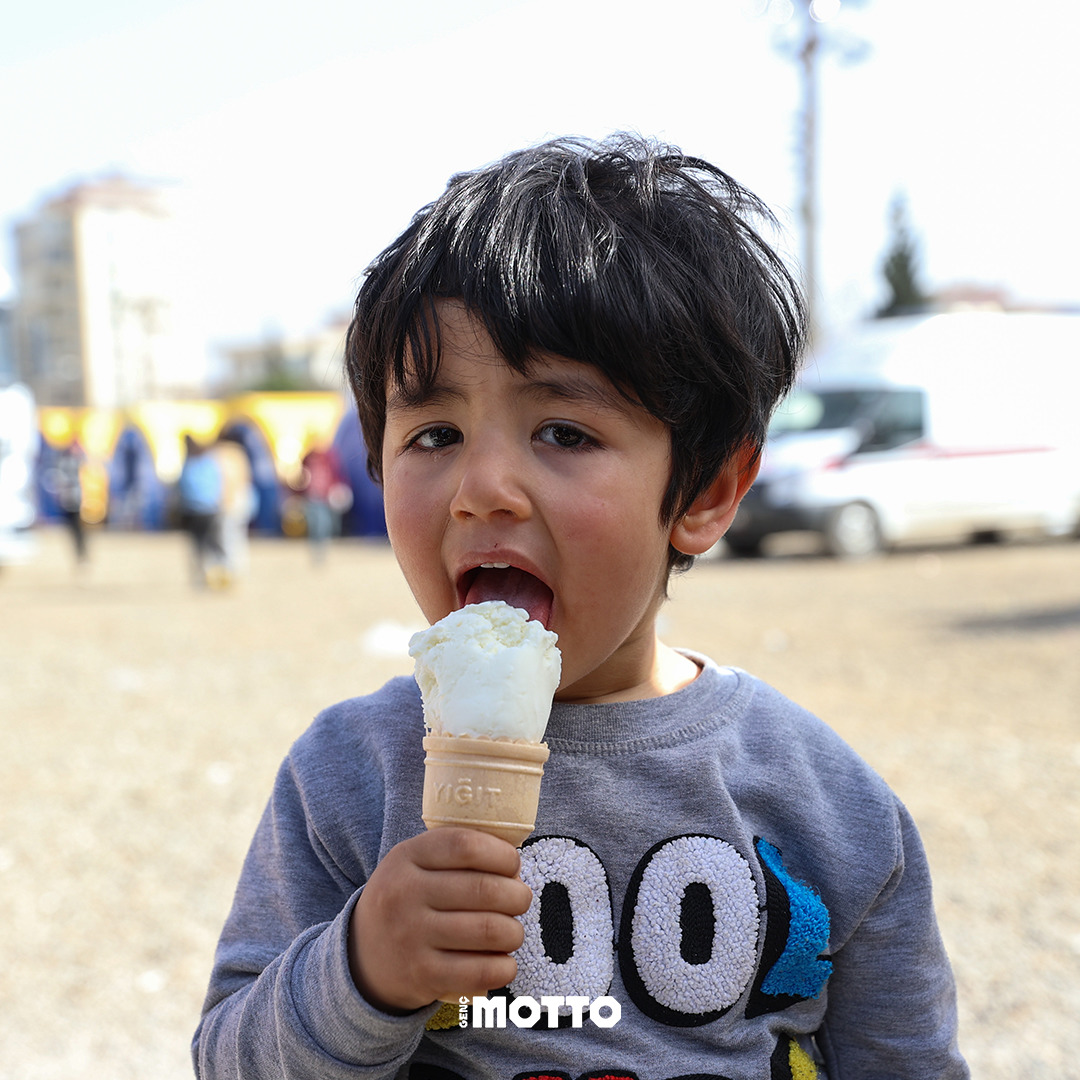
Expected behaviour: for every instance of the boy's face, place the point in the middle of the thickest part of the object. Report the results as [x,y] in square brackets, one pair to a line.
[542,490]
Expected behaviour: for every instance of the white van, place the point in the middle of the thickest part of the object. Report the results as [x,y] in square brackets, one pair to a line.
[926,428]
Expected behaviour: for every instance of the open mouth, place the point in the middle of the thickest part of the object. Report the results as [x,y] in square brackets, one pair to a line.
[500,581]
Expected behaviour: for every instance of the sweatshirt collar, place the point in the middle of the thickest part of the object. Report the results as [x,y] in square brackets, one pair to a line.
[632,726]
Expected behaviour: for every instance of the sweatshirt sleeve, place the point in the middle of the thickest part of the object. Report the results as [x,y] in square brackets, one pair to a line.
[281,1001]
[892,999]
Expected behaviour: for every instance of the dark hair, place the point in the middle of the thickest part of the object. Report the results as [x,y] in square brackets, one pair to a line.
[624,254]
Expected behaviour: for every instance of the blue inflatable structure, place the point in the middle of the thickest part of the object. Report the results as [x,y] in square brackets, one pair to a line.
[137,498]
[264,478]
[365,517]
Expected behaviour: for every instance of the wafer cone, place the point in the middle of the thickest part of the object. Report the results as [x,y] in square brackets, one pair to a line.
[487,784]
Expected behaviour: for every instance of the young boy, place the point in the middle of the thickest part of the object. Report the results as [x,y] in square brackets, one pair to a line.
[564,369]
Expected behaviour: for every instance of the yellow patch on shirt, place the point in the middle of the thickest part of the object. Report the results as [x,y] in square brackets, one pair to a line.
[448,1016]
[802,1066]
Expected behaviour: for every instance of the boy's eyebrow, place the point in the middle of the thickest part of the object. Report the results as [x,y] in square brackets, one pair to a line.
[577,389]
[570,387]
[414,395]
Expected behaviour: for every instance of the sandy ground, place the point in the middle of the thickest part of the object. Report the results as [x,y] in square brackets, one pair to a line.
[143,722]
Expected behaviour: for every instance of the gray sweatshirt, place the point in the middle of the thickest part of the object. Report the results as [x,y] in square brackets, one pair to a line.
[721,888]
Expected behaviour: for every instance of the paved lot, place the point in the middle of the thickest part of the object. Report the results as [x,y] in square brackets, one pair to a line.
[142,724]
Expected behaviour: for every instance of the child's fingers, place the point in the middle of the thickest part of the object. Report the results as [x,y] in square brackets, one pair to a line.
[454,848]
[476,891]
[475,932]
[475,975]
[438,916]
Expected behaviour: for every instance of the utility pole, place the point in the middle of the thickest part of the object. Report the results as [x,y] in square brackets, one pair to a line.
[808,47]
[805,47]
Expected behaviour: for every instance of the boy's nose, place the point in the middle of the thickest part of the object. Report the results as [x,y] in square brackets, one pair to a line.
[490,484]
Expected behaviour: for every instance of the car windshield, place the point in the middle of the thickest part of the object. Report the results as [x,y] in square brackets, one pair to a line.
[826,410]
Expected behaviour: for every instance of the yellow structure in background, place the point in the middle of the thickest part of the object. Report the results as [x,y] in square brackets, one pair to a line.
[291,423]
[97,431]
[165,423]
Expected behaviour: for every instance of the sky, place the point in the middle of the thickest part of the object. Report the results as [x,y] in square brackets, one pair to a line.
[296,140]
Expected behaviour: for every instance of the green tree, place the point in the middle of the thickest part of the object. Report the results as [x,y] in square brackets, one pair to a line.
[901,266]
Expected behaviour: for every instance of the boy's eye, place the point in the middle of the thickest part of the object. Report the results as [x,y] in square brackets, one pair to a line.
[436,438]
[565,436]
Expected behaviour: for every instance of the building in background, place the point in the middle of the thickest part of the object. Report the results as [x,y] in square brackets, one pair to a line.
[96,314]
[299,362]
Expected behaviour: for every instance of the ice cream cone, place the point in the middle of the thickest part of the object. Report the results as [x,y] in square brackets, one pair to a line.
[480,783]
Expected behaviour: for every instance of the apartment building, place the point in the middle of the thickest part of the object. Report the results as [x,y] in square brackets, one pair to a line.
[96,315]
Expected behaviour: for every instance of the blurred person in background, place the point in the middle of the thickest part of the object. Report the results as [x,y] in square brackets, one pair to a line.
[64,481]
[237,505]
[199,494]
[326,495]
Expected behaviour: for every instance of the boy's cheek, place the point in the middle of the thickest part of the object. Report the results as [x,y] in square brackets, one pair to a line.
[406,511]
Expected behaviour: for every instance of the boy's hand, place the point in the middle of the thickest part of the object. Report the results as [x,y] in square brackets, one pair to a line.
[436,918]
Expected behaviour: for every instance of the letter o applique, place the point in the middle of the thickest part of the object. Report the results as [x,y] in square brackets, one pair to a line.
[689,932]
[568,949]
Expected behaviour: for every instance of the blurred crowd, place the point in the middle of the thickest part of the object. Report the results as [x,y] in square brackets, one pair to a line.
[291,466]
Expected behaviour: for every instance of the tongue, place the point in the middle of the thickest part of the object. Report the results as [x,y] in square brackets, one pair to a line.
[518,588]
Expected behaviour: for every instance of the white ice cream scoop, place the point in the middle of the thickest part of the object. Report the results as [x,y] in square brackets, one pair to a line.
[487,671]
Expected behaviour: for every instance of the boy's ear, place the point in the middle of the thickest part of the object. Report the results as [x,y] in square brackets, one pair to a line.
[712,512]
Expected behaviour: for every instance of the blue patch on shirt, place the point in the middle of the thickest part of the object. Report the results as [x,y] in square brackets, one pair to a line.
[799,971]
